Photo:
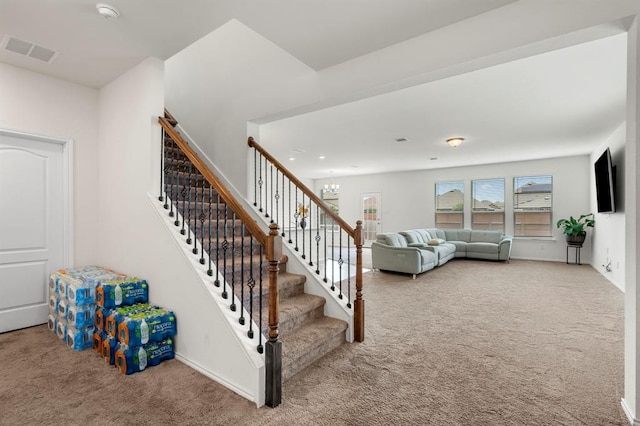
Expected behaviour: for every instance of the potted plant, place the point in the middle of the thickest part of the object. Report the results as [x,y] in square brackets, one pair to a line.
[575,229]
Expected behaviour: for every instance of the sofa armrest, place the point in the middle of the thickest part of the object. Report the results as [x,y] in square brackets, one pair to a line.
[504,247]
[399,259]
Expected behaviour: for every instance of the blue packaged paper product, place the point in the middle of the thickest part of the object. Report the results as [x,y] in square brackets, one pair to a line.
[125,291]
[54,303]
[147,326]
[53,284]
[133,359]
[63,306]
[81,316]
[79,339]
[52,320]
[79,293]
[117,315]
[61,328]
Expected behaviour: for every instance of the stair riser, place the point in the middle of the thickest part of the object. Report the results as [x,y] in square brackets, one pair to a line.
[291,368]
[291,324]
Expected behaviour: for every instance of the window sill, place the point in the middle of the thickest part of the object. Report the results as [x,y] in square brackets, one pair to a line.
[536,238]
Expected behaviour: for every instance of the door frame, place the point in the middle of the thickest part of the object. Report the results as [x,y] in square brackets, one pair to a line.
[67,186]
[367,243]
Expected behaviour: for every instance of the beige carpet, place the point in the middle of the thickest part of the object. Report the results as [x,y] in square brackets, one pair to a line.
[470,343]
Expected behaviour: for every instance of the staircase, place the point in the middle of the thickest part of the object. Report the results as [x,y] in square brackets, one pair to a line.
[237,266]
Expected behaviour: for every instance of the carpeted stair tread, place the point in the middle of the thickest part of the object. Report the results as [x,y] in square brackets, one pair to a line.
[309,343]
[296,311]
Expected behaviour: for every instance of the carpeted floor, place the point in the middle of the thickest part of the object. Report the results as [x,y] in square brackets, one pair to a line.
[470,343]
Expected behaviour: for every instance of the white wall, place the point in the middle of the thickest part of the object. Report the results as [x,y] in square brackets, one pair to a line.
[133,237]
[609,232]
[408,198]
[229,77]
[38,104]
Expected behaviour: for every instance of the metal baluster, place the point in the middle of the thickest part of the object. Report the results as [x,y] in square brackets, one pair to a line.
[233,269]
[161,197]
[283,209]
[217,281]
[195,216]
[295,216]
[348,273]
[289,221]
[202,219]
[340,262]
[173,178]
[225,246]
[210,271]
[260,182]
[242,256]
[270,197]
[190,206]
[178,192]
[255,175]
[276,196]
[183,193]
[166,174]
[251,283]
[318,238]
[326,258]
[260,347]
[309,226]
[304,256]
[333,262]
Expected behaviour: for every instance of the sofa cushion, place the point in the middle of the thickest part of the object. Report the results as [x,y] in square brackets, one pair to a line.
[436,233]
[412,237]
[458,235]
[486,237]
[392,239]
[480,247]
[424,234]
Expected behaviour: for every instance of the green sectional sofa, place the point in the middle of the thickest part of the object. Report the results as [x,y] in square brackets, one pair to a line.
[419,250]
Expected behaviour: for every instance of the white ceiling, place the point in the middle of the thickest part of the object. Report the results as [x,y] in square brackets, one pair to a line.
[93,51]
[561,103]
[564,102]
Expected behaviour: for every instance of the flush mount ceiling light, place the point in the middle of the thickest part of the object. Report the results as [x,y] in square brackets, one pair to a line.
[455,142]
[107,11]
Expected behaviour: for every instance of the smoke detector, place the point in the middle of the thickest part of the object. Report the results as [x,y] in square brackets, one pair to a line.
[107,11]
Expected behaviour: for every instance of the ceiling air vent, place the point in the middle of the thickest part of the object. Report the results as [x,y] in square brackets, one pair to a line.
[26,48]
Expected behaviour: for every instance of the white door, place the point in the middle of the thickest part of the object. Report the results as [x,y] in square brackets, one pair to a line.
[370,208]
[32,225]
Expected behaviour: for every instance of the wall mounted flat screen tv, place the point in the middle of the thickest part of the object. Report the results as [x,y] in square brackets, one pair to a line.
[605,183]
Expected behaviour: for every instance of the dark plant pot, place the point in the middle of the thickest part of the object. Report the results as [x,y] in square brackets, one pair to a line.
[576,240]
[303,223]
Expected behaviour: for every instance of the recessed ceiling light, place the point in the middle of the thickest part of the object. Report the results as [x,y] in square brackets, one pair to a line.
[292,158]
[322,157]
[107,11]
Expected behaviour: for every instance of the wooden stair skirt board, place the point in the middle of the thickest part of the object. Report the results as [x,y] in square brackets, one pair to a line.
[306,333]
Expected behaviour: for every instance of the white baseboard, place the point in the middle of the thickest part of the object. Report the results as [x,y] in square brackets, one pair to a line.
[627,412]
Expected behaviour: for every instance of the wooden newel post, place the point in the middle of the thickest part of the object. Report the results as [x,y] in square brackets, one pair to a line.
[273,346]
[358,305]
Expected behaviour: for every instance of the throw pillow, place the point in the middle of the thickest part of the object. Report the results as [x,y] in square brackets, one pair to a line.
[434,242]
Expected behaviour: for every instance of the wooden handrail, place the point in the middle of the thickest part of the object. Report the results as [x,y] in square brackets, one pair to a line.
[337,219]
[229,199]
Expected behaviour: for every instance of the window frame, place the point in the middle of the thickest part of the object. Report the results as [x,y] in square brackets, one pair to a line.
[549,212]
[455,184]
[475,211]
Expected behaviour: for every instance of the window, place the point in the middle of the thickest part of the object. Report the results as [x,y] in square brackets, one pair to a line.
[487,204]
[450,205]
[532,197]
